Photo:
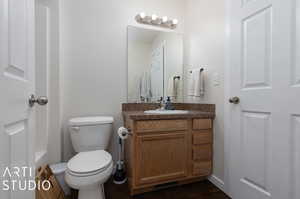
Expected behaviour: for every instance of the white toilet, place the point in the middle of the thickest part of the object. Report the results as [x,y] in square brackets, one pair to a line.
[92,166]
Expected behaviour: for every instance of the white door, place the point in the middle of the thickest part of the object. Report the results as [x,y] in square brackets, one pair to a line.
[265,75]
[17,64]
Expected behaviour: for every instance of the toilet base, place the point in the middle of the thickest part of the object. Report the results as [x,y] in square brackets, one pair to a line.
[94,192]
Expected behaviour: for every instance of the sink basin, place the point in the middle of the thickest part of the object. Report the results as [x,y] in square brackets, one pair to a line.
[158,111]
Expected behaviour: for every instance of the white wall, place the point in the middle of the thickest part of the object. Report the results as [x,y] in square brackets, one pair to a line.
[93,40]
[204,47]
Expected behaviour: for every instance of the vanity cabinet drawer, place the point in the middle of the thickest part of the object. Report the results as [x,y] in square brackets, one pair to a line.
[202,152]
[161,125]
[199,124]
[202,137]
[202,168]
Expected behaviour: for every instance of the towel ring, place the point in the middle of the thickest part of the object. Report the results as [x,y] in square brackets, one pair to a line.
[201,69]
[176,77]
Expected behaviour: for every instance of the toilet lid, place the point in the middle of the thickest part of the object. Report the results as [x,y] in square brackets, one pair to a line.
[90,161]
[81,121]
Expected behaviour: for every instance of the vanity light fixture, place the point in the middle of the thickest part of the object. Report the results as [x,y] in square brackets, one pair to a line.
[156,21]
[141,16]
[174,22]
[164,19]
[153,17]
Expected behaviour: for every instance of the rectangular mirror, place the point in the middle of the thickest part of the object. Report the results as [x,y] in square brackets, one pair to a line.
[155,65]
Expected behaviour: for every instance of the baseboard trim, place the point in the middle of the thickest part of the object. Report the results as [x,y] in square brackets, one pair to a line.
[217,182]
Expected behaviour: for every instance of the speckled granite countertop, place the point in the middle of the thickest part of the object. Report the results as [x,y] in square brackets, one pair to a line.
[140,115]
[135,111]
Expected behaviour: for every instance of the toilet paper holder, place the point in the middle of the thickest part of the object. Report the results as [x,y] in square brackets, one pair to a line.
[124,132]
[129,131]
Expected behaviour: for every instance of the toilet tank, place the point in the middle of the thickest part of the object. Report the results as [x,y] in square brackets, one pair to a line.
[90,133]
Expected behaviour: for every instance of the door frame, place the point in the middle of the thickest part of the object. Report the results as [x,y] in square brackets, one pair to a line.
[227,94]
[54,150]
[41,156]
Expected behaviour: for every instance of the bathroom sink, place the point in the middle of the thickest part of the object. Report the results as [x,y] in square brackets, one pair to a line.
[159,111]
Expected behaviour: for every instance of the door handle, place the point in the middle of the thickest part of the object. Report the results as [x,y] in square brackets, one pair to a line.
[42,100]
[234,100]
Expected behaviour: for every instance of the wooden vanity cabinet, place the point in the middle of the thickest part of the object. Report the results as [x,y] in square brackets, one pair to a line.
[167,152]
[161,157]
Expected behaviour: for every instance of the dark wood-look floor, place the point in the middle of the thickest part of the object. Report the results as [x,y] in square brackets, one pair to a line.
[199,190]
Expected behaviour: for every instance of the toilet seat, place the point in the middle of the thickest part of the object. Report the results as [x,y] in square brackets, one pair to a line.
[89,173]
[89,163]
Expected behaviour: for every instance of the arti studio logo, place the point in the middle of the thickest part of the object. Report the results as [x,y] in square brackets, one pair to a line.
[21,178]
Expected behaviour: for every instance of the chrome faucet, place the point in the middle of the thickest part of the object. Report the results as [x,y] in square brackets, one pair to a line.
[165,105]
[162,103]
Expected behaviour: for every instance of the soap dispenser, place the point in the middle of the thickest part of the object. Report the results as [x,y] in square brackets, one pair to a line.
[169,104]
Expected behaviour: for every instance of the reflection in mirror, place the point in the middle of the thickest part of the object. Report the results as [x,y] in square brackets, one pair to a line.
[155,66]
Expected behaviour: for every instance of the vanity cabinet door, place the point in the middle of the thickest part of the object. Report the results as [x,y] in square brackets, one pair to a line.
[161,158]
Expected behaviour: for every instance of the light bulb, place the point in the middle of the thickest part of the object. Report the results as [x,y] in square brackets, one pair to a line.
[174,21]
[164,19]
[142,15]
[153,17]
